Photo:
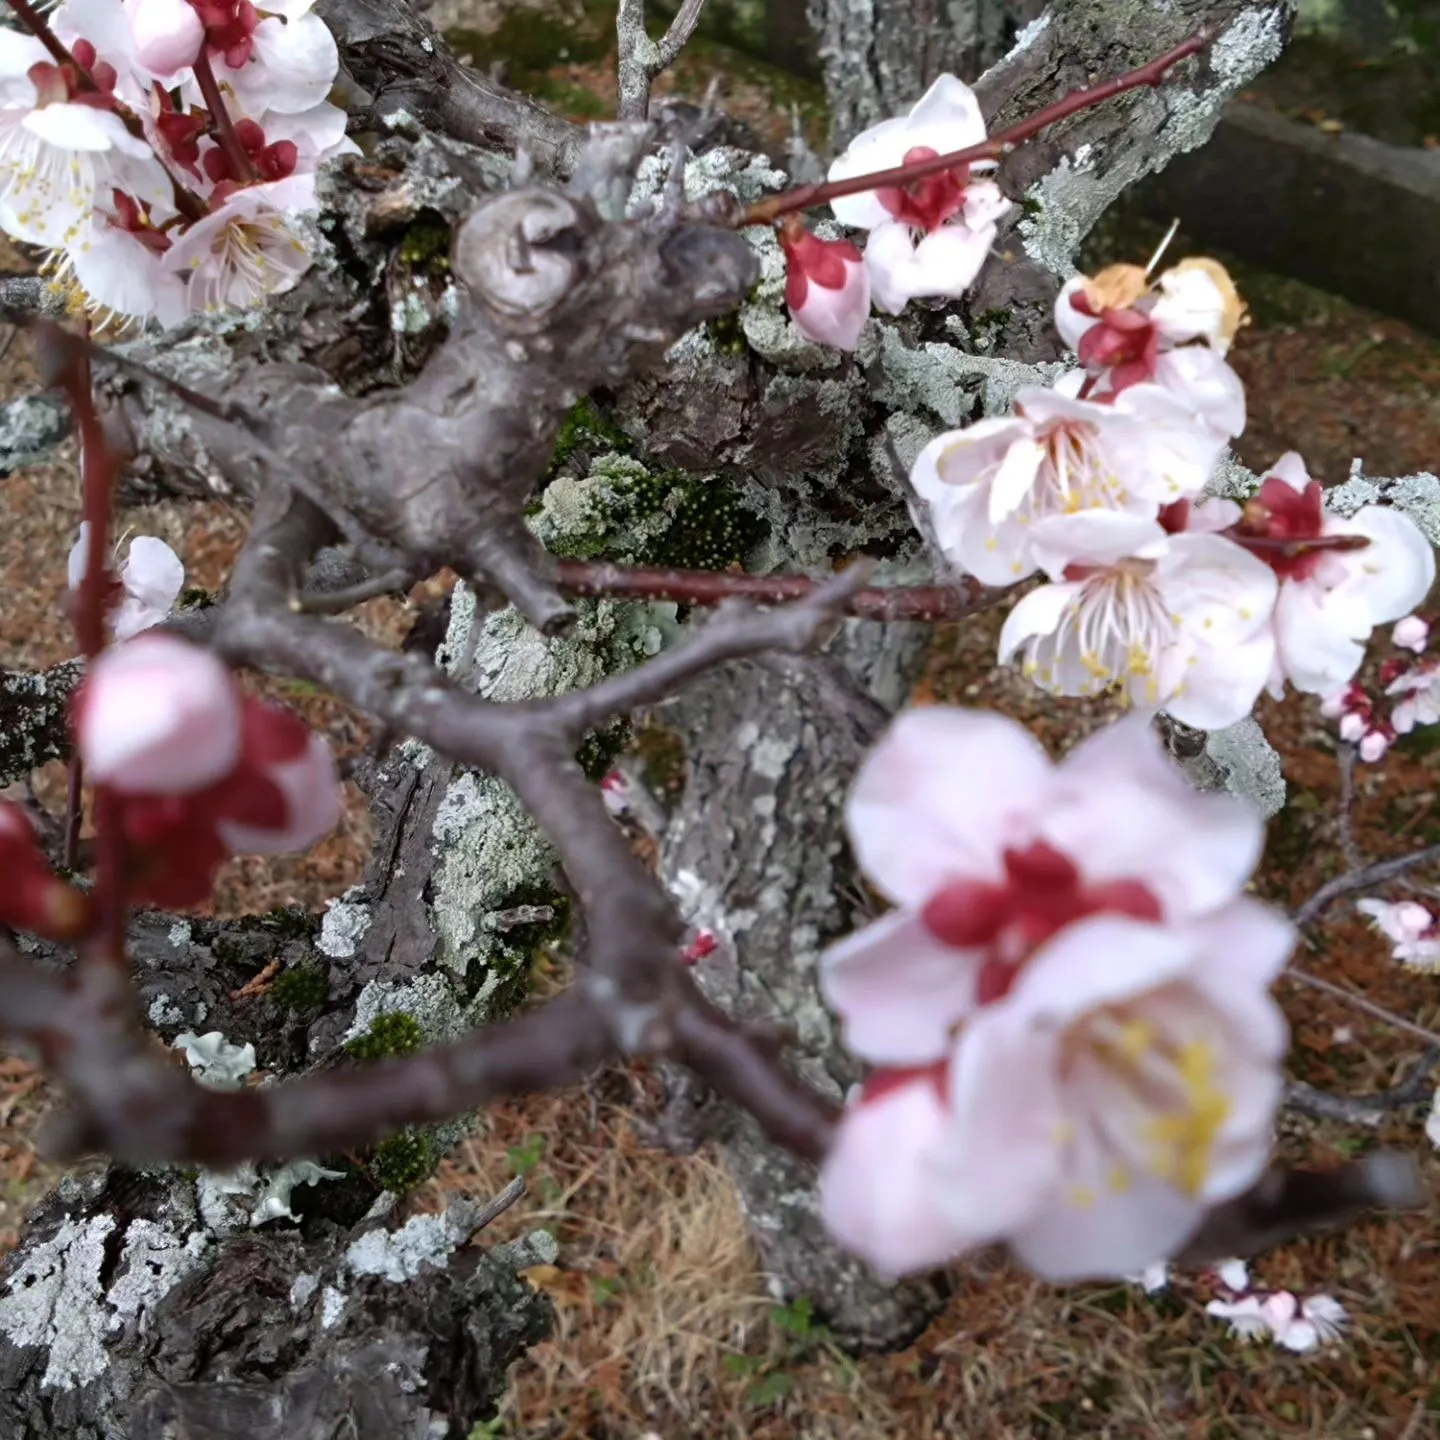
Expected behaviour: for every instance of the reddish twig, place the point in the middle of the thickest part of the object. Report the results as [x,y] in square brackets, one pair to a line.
[224,127]
[69,364]
[803,197]
[713,587]
[39,27]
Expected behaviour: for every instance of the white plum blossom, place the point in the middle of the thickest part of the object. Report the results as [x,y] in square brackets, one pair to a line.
[1069,1006]
[246,248]
[932,236]
[986,486]
[1331,597]
[1432,1122]
[1411,929]
[1233,1274]
[1411,633]
[60,147]
[1293,1324]
[1419,697]
[1179,621]
[151,580]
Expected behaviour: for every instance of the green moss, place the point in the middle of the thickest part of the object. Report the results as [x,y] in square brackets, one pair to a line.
[726,334]
[389,1035]
[709,529]
[600,749]
[404,1161]
[290,923]
[426,246]
[302,988]
[194,598]
[586,429]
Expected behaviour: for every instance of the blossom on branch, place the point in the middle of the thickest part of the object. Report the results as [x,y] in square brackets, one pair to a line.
[201,769]
[1068,1008]
[1339,578]
[1174,620]
[827,287]
[986,486]
[932,236]
[1411,929]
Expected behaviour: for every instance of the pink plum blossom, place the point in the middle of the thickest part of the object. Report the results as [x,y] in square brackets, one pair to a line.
[986,486]
[1179,621]
[930,237]
[151,581]
[827,287]
[157,716]
[1068,1006]
[1331,598]
[167,34]
[1410,928]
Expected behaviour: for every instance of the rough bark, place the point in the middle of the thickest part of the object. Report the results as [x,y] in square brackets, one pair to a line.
[879,56]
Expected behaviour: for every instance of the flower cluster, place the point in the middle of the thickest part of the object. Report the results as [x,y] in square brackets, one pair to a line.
[199,769]
[1284,1318]
[163,164]
[1412,685]
[929,237]
[1067,1012]
[1183,603]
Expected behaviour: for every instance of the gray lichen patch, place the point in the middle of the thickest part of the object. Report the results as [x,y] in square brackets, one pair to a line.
[54,1300]
[428,1000]
[399,1255]
[1063,205]
[156,1258]
[1417,495]
[343,928]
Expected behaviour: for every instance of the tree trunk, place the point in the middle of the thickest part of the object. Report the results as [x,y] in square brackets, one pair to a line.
[880,55]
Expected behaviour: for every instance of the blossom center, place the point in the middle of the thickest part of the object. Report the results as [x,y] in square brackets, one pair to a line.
[1042,892]
[928,203]
[1282,524]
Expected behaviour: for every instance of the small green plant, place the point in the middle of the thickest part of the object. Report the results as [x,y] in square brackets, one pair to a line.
[302,988]
[524,1158]
[403,1161]
[389,1035]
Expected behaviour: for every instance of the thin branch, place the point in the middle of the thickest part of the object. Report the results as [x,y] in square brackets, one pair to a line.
[1359,1002]
[639,59]
[1368,1110]
[1345,757]
[713,587]
[242,169]
[1368,877]
[803,197]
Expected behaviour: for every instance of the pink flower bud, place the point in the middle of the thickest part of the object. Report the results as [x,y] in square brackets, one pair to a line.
[158,716]
[1352,728]
[827,287]
[1411,633]
[1373,746]
[168,34]
[705,943]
